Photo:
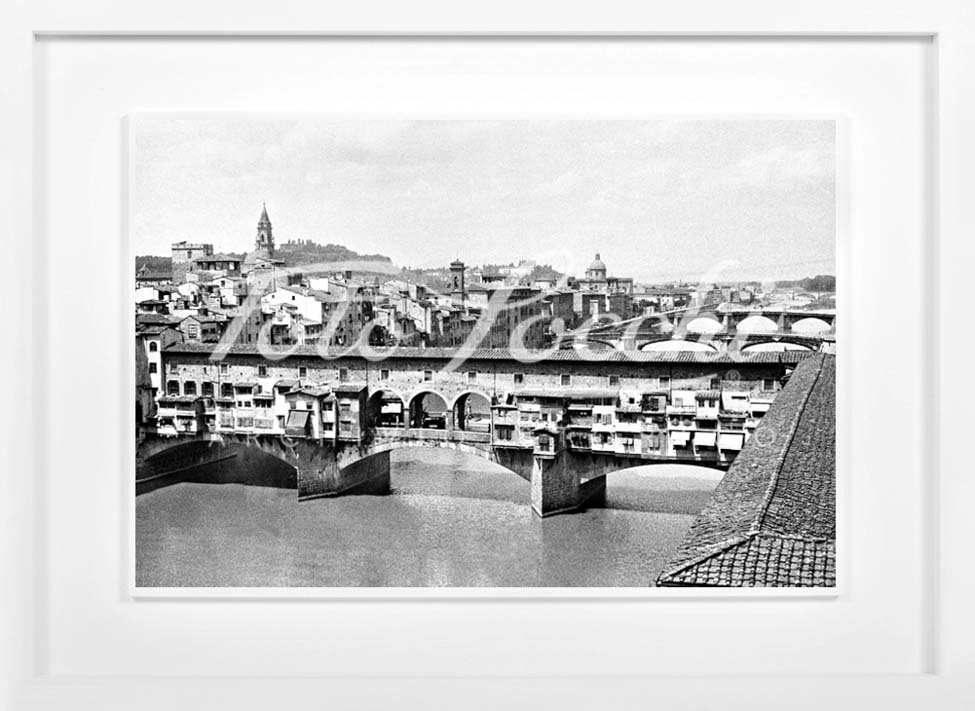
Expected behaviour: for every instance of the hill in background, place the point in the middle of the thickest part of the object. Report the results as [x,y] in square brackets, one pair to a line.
[304,251]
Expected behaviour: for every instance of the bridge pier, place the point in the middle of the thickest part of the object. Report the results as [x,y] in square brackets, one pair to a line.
[557,485]
[325,474]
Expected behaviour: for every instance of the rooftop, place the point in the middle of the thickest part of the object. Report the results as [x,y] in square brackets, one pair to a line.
[566,355]
[219,257]
[772,519]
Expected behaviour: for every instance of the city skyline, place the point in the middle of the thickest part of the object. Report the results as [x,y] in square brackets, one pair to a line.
[757,196]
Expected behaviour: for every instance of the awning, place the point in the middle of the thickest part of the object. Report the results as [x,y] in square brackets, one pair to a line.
[731,441]
[297,423]
[734,402]
[679,439]
[705,439]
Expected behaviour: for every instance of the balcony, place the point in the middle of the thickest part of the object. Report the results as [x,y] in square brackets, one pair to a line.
[682,410]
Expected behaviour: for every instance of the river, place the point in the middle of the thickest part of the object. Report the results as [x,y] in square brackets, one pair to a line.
[451,520]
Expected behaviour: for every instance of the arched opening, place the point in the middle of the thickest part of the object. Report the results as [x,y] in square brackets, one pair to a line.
[668,488]
[386,409]
[757,324]
[472,412]
[774,347]
[428,410]
[705,325]
[455,474]
[593,345]
[678,345]
[811,326]
[211,462]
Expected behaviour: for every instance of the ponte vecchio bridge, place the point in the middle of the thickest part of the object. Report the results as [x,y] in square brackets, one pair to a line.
[561,419]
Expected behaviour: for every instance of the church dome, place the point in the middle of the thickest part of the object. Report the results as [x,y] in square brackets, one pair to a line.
[597,265]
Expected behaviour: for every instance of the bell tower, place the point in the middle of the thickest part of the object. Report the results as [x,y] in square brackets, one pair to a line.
[265,237]
[458,290]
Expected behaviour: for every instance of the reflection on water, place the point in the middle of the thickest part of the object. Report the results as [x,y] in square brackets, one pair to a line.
[452,520]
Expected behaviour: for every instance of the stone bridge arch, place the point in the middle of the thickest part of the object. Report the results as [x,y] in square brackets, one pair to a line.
[164,461]
[756,344]
[666,343]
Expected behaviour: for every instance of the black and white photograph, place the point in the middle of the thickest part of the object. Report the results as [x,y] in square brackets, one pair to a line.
[483,352]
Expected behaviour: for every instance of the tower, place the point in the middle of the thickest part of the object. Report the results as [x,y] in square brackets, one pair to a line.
[265,237]
[458,289]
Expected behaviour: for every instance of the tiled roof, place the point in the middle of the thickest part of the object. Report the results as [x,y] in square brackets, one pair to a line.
[772,519]
[310,389]
[566,355]
[154,319]
[219,257]
[562,393]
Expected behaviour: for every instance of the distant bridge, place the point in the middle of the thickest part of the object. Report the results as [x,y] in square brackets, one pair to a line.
[715,328]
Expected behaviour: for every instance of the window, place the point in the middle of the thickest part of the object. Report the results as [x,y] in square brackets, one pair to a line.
[565,379]
[208,389]
[262,371]
[192,330]
[152,367]
[715,383]
[302,372]
[472,376]
[172,387]
[519,378]
[768,384]
[384,374]
[153,346]
[665,381]
[343,374]
[427,376]
[614,380]
[226,390]
[224,368]
[189,388]
[173,368]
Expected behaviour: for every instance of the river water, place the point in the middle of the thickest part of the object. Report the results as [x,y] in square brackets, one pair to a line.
[451,520]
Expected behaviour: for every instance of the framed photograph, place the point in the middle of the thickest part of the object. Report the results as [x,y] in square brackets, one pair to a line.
[509,422]
[490,361]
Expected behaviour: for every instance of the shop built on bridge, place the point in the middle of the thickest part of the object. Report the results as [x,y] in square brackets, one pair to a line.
[561,419]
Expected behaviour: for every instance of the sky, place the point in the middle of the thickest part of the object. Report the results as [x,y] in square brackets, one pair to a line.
[658,199]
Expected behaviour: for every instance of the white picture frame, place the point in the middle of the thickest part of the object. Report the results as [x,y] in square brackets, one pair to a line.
[68,634]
